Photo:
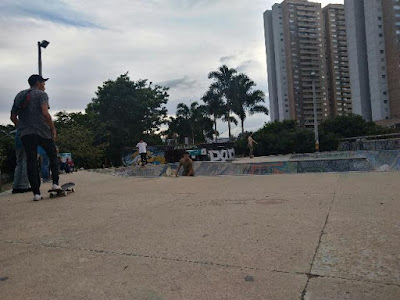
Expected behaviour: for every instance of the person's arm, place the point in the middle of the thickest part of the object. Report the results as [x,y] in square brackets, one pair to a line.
[14,112]
[177,170]
[14,119]
[48,119]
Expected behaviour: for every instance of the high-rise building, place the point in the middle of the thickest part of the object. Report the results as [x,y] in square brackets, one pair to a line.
[339,92]
[391,25]
[296,50]
[373,32]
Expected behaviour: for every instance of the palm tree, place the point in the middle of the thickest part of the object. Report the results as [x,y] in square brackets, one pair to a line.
[196,119]
[245,99]
[223,84]
[215,107]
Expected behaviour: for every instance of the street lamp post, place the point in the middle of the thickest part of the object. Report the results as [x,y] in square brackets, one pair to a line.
[42,44]
[313,75]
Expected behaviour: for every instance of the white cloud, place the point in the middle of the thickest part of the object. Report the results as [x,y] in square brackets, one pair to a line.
[176,42]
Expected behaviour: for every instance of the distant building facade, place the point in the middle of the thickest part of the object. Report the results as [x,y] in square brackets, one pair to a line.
[337,60]
[373,32]
[296,46]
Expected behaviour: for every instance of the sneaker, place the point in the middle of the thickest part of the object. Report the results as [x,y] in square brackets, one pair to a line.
[56,187]
[37,197]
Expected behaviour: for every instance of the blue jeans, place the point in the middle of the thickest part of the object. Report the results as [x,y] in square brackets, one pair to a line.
[45,168]
[20,173]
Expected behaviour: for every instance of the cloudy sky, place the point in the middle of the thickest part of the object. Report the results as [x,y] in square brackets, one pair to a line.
[174,43]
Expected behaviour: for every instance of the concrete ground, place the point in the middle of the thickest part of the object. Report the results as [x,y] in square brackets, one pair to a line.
[300,236]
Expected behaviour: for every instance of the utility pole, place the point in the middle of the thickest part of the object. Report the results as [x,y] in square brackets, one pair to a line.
[315,112]
[42,44]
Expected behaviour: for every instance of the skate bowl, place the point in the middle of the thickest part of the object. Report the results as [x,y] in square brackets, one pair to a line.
[325,162]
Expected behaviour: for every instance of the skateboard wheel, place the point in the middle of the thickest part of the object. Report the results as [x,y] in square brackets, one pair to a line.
[51,196]
[73,190]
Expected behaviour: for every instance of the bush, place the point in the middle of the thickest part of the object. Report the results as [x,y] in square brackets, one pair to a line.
[278,138]
[286,137]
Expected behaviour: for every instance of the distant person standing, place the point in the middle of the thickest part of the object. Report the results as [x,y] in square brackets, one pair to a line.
[44,164]
[30,114]
[21,182]
[187,165]
[142,146]
[250,143]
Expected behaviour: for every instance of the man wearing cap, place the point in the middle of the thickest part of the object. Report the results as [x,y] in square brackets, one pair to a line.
[30,114]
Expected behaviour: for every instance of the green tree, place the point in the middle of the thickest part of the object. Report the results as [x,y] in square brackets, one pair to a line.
[245,99]
[351,126]
[7,150]
[223,84]
[124,111]
[75,135]
[214,106]
[334,129]
[193,121]
[278,138]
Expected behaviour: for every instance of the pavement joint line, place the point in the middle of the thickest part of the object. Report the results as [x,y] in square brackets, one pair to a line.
[97,251]
[310,275]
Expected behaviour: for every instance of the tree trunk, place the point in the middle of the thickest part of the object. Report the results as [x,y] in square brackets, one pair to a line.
[215,129]
[229,126]
[242,120]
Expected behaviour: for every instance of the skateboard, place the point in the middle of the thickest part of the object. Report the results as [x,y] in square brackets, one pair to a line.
[65,189]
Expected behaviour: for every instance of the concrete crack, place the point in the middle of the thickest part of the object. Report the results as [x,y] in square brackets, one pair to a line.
[309,274]
[130,254]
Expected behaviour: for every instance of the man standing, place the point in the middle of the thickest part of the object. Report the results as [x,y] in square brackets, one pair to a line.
[251,143]
[187,164]
[142,151]
[30,114]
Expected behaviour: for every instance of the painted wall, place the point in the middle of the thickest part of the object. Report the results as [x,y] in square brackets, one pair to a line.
[155,156]
[227,154]
[385,160]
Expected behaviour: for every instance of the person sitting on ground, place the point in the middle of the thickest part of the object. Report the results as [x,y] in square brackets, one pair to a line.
[187,164]
[61,165]
[69,166]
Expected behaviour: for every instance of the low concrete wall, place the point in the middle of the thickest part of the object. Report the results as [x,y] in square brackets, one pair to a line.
[362,161]
[370,145]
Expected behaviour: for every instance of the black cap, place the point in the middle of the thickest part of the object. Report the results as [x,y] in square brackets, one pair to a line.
[33,79]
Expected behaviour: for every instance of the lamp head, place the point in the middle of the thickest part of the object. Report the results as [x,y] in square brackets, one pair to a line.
[44,43]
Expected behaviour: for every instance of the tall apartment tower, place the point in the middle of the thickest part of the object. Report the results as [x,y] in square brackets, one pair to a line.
[339,92]
[295,49]
[391,25]
[373,31]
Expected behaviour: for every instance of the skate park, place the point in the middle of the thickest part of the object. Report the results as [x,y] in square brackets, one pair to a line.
[331,235]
